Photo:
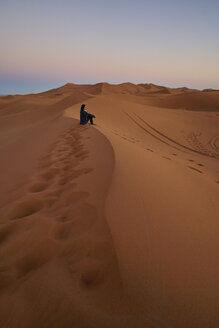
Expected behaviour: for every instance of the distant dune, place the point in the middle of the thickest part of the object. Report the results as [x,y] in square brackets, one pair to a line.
[113,225]
[151,94]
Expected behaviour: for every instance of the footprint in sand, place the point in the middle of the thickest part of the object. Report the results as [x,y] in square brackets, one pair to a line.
[5,232]
[63,181]
[73,174]
[81,153]
[78,221]
[66,167]
[167,158]
[62,157]
[44,252]
[49,174]
[55,192]
[92,273]
[73,229]
[80,211]
[128,139]
[25,208]
[38,187]
[92,267]
[193,168]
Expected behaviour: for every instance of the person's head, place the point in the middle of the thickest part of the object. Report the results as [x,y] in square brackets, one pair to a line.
[83,106]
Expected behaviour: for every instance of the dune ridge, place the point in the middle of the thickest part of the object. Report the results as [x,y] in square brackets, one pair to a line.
[113,225]
[154,95]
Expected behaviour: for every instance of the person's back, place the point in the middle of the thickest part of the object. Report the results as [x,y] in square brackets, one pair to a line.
[83,116]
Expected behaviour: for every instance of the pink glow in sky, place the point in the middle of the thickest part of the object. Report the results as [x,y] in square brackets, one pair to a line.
[168,42]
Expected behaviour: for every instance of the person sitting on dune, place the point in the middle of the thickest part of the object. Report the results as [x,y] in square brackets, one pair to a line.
[85,117]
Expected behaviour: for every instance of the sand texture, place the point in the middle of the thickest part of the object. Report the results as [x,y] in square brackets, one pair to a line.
[112,225]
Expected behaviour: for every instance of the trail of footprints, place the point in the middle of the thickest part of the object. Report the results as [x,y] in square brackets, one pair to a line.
[66,214]
[133,140]
[56,170]
[125,137]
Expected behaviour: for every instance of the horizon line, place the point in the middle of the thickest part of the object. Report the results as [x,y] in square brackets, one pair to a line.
[110,83]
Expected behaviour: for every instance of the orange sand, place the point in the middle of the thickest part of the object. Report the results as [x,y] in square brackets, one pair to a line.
[113,225]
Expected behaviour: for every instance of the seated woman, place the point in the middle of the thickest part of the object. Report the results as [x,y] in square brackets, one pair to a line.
[85,117]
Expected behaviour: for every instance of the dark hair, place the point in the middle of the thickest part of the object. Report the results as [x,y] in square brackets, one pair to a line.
[82,106]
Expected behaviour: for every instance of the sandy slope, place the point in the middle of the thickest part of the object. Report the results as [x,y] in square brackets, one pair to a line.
[115,225]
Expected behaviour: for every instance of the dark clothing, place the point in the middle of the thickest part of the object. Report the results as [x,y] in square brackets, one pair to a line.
[90,118]
[85,117]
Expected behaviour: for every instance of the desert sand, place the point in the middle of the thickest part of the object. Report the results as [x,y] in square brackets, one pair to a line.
[112,225]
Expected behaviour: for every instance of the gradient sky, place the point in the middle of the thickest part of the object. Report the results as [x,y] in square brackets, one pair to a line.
[46,43]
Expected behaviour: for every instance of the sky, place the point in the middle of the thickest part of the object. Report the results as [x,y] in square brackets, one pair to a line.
[47,43]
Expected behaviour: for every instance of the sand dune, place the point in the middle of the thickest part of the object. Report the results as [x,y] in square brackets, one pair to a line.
[114,225]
